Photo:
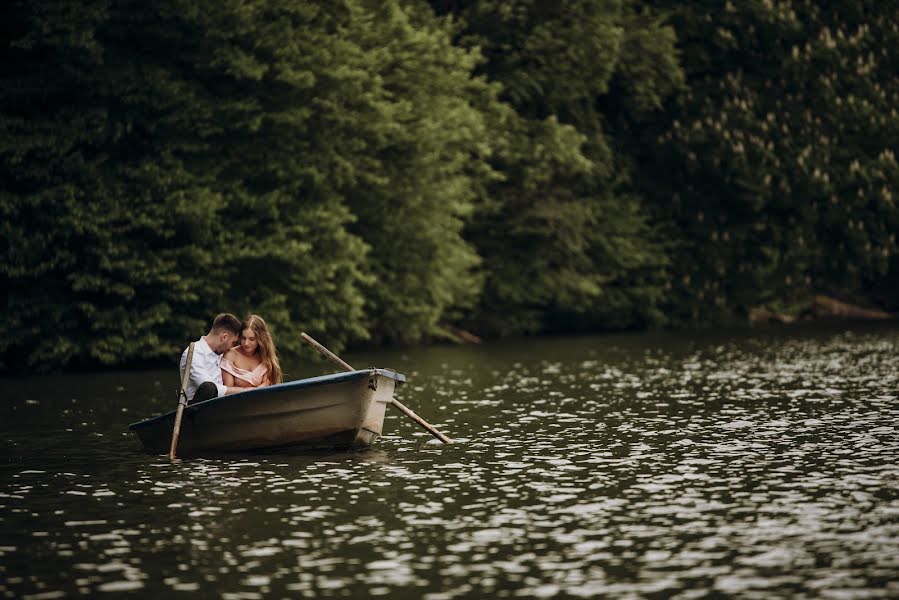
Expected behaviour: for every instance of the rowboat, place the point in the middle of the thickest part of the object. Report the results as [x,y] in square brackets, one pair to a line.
[341,411]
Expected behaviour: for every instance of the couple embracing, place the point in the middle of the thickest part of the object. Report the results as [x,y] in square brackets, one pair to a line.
[231,358]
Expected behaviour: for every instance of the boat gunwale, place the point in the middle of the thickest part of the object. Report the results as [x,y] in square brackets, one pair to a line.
[309,382]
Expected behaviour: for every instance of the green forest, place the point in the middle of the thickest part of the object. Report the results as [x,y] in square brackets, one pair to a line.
[397,171]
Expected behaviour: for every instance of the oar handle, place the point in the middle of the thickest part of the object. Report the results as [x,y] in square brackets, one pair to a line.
[182,401]
[327,353]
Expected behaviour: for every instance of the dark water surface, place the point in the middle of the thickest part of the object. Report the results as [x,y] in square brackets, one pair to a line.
[750,464]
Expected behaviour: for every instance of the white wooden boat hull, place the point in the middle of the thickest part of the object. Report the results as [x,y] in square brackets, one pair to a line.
[344,410]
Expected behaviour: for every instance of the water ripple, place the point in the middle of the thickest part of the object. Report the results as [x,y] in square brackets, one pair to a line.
[763,465]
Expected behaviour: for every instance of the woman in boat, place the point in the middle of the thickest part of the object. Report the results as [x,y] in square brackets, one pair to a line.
[254,362]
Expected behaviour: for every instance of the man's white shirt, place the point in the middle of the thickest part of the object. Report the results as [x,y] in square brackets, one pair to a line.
[205,365]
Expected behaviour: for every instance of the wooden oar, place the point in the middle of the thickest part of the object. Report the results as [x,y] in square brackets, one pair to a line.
[182,401]
[396,403]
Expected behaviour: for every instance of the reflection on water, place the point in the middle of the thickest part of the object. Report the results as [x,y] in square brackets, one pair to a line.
[626,466]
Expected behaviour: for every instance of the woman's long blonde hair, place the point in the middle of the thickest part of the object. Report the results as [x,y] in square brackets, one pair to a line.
[266,347]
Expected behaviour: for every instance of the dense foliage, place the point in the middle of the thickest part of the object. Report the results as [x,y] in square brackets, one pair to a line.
[387,171]
[565,243]
[776,170]
[165,162]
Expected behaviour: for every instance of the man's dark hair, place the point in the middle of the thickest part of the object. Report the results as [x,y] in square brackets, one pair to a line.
[227,322]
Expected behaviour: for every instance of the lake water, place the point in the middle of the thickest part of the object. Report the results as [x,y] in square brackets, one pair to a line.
[743,463]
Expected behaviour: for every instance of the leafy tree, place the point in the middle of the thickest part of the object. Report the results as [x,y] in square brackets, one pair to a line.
[152,181]
[776,169]
[425,168]
[564,240]
[381,170]
[162,163]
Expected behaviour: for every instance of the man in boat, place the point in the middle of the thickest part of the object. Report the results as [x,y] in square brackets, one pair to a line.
[205,380]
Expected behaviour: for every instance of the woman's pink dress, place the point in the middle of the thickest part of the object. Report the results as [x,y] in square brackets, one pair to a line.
[254,378]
